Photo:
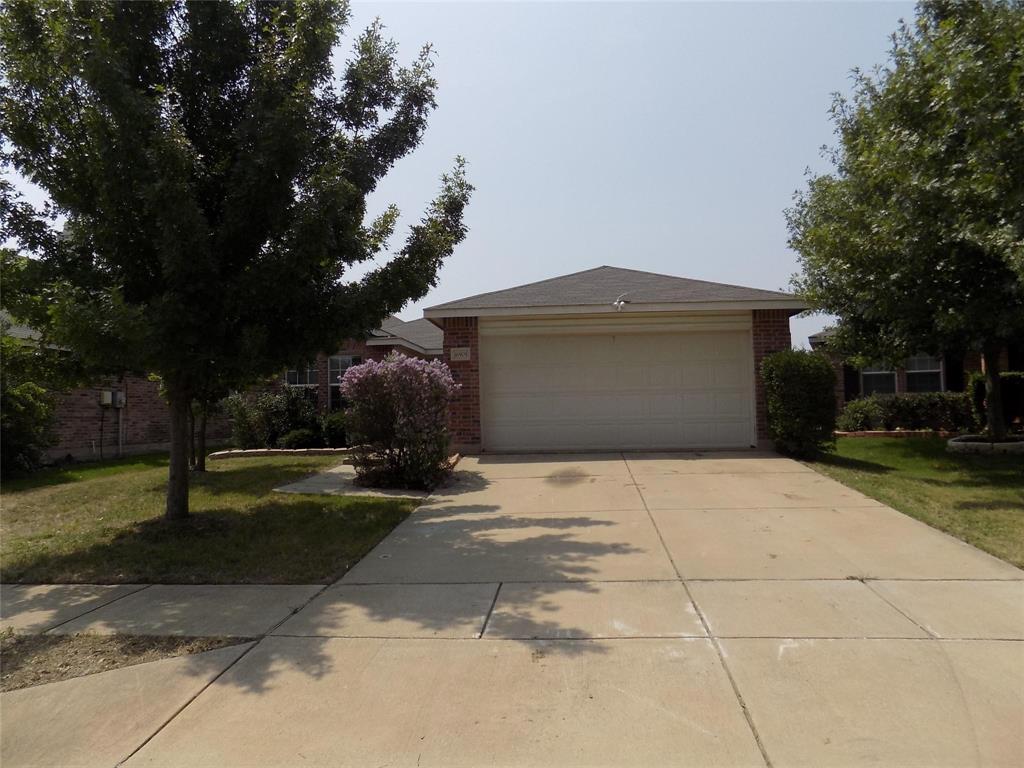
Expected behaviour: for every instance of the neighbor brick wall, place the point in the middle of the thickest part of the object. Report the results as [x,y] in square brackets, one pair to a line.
[770,334]
[464,417]
[356,348]
[85,429]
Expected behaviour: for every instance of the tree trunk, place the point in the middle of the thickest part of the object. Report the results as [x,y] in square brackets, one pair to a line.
[199,465]
[993,393]
[177,476]
[191,437]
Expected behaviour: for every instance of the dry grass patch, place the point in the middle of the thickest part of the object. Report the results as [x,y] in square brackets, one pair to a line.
[27,660]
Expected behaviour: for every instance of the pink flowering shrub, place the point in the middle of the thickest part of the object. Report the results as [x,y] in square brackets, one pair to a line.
[396,419]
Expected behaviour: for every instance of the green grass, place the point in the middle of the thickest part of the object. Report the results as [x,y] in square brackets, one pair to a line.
[979,499]
[72,473]
[103,523]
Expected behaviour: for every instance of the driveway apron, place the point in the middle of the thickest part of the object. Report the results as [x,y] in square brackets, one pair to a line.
[718,609]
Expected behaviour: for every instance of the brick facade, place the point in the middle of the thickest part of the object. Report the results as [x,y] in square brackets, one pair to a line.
[84,429]
[957,371]
[464,420]
[355,348]
[770,334]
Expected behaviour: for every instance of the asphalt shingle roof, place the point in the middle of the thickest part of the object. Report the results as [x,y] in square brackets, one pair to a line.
[420,332]
[603,285]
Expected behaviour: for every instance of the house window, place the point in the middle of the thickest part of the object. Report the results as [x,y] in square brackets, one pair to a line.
[336,367]
[876,380]
[924,374]
[301,377]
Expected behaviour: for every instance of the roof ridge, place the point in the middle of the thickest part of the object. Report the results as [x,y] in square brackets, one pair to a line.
[522,285]
[697,280]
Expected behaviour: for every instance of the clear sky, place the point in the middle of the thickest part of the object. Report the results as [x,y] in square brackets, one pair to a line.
[659,136]
[666,136]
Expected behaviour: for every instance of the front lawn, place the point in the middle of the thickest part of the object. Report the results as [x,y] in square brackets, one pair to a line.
[979,499]
[103,524]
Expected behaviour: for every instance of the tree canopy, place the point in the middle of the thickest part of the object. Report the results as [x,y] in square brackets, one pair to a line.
[207,175]
[916,239]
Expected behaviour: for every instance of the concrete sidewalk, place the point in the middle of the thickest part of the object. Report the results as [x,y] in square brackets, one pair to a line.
[640,610]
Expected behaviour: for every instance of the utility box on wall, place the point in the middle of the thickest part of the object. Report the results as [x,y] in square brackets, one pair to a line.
[112,398]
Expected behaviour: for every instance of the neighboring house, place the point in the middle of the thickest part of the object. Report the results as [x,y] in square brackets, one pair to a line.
[117,415]
[125,414]
[918,373]
[612,359]
[417,338]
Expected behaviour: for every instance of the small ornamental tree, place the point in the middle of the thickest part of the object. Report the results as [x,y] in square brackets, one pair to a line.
[800,390]
[206,169]
[396,420]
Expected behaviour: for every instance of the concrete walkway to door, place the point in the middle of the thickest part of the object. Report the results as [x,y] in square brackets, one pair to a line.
[646,610]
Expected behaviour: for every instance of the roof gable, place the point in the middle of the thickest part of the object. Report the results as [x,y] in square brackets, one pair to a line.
[420,335]
[601,286]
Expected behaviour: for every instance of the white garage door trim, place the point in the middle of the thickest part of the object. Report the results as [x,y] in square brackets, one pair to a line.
[617,383]
[625,323]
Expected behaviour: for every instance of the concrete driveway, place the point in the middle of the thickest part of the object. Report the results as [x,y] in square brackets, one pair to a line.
[646,610]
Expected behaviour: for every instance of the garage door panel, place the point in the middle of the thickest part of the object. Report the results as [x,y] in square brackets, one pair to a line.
[698,404]
[735,405]
[699,376]
[727,373]
[629,391]
[665,405]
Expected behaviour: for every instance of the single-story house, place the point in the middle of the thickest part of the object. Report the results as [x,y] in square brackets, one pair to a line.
[612,359]
[921,372]
[415,338]
[124,413]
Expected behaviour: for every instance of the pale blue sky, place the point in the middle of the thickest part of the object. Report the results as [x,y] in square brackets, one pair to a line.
[659,136]
[667,137]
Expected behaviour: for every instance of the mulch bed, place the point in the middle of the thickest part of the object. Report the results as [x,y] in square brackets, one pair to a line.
[27,660]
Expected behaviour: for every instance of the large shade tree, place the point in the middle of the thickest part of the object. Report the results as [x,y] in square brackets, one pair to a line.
[916,240]
[207,175]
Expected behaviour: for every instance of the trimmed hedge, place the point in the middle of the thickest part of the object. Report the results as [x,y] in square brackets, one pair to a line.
[301,438]
[334,430]
[800,391]
[1012,385]
[946,411]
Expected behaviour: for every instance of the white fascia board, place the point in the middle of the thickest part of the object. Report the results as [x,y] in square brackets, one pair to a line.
[589,309]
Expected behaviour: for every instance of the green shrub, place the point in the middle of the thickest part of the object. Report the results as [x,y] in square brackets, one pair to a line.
[397,420]
[1012,385]
[865,413]
[946,411]
[261,419]
[801,398]
[301,438]
[334,429]
[26,410]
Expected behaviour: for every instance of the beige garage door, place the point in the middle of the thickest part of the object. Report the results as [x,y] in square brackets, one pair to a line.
[617,391]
